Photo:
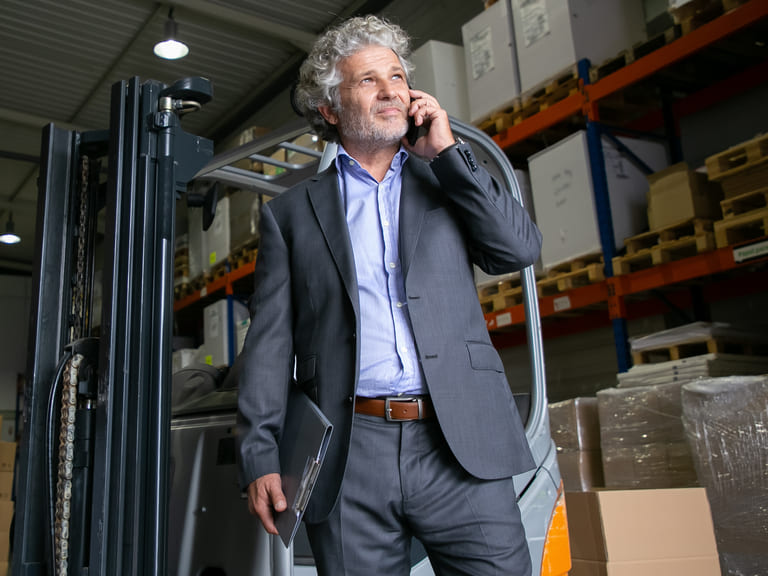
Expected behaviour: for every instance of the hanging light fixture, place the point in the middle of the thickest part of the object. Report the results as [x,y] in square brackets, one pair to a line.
[10,237]
[170,48]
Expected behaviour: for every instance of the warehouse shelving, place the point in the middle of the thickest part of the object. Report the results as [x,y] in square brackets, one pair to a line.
[618,298]
[746,67]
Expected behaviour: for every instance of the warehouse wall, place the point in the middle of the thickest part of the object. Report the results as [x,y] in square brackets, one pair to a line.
[15,304]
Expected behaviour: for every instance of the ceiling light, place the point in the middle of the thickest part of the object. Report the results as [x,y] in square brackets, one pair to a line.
[9,237]
[170,48]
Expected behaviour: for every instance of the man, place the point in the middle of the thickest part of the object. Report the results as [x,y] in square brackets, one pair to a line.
[365,292]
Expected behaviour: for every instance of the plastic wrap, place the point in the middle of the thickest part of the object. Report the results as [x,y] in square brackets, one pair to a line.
[574,424]
[695,332]
[575,430]
[642,438]
[726,424]
[689,369]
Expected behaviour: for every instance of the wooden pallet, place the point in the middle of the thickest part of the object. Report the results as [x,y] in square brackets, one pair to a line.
[572,274]
[681,240]
[243,255]
[610,66]
[218,271]
[550,92]
[696,348]
[501,295]
[747,180]
[738,158]
[182,290]
[744,203]
[748,226]
[659,41]
[695,13]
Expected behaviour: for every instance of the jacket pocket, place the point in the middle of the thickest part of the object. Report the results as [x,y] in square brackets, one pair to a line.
[484,357]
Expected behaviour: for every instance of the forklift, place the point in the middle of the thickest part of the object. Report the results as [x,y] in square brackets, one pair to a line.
[126,468]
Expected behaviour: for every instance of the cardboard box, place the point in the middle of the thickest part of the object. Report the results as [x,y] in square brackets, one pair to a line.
[5,550]
[581,470]
[440,71]
[491,66]
[642,437]
[575,424]
[633,532]
[7,456]
[220,329]
[552,35]
[6,485]
[6,515]
[564,198]
[678,193]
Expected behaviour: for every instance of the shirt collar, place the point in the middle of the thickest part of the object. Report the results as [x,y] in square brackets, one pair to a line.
[344,161]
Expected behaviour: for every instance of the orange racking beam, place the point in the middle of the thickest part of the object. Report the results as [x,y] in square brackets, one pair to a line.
[554,114]
[719,28]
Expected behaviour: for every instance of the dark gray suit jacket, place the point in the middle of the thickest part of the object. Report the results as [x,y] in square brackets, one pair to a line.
[305,305]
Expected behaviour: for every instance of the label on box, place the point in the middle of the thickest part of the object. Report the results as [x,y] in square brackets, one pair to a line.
[481,53]
[750,252]
[535,20]
[561,303]
[503,319]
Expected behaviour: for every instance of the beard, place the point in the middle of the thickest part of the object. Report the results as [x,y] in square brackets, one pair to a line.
[369,130]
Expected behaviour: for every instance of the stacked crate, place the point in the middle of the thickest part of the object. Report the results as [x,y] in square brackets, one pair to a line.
[742,171]
[682,205]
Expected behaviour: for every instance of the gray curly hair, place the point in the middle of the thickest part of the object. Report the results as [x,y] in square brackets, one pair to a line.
[319,76]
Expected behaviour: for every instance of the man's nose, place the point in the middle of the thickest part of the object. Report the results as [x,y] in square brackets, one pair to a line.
[387,90]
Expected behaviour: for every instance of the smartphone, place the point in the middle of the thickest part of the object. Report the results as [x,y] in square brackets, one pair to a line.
[413,131]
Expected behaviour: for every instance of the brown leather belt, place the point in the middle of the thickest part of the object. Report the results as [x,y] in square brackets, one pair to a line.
[396,407]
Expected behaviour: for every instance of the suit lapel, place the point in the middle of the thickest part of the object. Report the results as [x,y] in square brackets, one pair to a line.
[413,206]
[324,196]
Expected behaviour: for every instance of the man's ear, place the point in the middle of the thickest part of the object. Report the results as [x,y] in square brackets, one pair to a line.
[327,112]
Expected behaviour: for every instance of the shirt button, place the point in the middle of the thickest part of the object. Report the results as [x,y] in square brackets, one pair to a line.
[385,223]
[351,162]
[392,265]
[403,349]
[399,304]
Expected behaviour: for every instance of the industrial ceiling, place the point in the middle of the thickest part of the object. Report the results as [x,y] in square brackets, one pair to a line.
[58,61]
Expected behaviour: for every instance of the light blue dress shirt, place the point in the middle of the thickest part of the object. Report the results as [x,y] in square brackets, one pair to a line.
[389,363]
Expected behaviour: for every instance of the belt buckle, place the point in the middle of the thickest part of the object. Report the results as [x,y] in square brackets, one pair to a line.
[388,409]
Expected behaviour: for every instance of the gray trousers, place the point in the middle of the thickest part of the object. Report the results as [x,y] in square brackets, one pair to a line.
[402,482]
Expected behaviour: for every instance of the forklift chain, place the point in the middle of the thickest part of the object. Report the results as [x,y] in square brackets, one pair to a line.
[79,288]
[69,390]
[66,463]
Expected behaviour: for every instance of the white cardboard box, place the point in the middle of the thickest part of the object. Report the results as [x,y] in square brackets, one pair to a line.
[218,236]
[441,72]
[219,330]
[489,49]
[563,195]
[551,35]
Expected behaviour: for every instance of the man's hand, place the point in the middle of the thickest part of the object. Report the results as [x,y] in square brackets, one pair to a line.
[426,112]
[265,496]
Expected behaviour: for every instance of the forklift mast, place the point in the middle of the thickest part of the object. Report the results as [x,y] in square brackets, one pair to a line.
[93,468]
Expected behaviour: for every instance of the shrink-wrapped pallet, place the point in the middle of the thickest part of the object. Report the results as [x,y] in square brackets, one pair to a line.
[726,423]
[642,438]
[575,429]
